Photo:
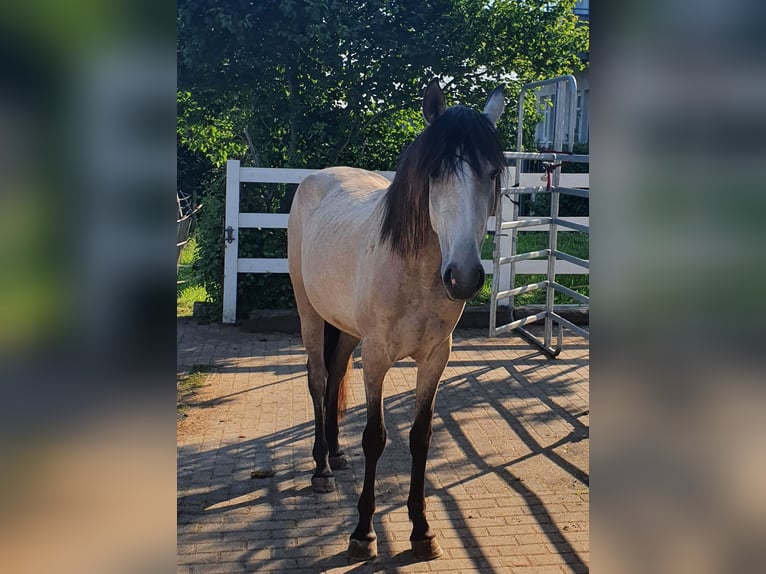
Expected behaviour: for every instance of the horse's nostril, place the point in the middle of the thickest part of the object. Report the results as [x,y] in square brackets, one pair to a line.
[448,278]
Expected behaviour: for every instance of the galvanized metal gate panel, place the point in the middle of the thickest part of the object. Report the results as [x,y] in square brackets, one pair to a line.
[507,225]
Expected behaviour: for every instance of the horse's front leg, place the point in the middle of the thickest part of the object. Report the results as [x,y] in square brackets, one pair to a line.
[430,370]
[363,544]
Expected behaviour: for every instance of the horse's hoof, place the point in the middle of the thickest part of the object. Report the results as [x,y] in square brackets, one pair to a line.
[323,483]
[338,462]
[362,550]
[427,549]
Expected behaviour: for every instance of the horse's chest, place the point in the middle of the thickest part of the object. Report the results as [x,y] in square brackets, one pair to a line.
[410,325]
[418,334]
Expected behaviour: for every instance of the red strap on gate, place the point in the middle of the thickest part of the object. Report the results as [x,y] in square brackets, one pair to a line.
[549,167]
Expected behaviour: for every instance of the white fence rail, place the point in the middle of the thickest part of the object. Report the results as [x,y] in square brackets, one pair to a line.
[234,221]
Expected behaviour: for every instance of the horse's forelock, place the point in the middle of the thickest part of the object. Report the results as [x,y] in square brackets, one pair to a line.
[460,134]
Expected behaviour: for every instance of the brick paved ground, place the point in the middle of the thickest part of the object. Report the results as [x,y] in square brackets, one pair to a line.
[507,479]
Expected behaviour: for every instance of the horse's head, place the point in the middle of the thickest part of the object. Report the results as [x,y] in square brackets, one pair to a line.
[447,182]
[467,162]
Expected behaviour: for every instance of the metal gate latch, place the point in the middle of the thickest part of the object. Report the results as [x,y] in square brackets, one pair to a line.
[229,234]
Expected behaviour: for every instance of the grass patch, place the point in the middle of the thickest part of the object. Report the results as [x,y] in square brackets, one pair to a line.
[572,242]
[188,384]
[189,288]
[187,297]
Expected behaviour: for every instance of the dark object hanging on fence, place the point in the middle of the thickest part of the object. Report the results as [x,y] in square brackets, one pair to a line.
[186,212]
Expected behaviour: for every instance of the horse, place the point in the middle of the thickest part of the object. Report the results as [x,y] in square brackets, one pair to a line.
[391,264]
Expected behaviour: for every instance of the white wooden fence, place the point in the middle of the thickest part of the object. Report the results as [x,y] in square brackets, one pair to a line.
[233,264]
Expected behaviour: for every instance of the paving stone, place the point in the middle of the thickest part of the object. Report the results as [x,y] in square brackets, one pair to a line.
[506,483]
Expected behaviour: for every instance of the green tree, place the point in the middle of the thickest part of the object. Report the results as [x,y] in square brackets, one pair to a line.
[287,83]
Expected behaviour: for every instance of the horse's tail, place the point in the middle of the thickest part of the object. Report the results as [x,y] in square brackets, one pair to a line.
[331,337]
[342,398]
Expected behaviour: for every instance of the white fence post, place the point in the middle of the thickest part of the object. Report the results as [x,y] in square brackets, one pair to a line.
[231,242]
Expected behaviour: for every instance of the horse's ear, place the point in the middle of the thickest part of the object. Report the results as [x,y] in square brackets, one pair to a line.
[433,101]
[495,105]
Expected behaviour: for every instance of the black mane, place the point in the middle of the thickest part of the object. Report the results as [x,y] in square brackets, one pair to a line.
[460,134]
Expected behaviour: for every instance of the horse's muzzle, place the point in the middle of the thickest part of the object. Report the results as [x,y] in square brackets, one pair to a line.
[462,285]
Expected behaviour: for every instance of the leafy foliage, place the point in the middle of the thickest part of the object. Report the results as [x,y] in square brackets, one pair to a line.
[313,83]
[569,206]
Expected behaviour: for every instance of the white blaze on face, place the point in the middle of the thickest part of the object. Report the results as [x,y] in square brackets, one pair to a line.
[452,212]
[459,207]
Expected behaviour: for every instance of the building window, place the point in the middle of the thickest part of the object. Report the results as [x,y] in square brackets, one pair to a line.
[581,127]
[544,129]
[582,8]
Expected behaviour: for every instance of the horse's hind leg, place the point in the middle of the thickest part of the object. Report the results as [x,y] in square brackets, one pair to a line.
[338,349]
[430,370]
[312,331]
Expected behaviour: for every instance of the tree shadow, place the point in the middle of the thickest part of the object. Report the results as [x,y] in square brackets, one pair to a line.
[278,522]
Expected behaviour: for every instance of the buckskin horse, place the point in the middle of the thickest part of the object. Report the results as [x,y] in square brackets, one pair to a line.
[391,264]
